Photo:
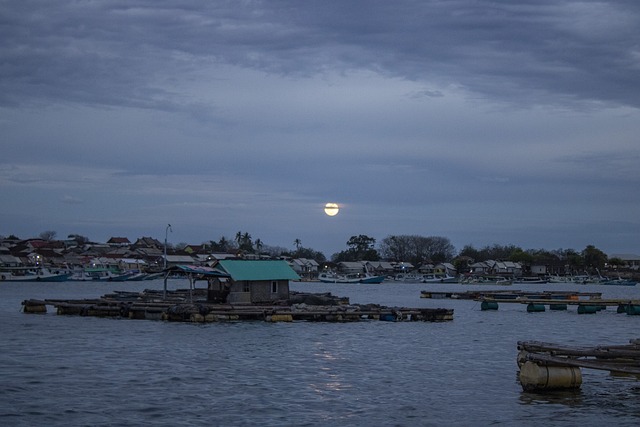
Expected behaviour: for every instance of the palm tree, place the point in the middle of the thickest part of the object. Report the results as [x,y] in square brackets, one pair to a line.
[258,246]
[298,243]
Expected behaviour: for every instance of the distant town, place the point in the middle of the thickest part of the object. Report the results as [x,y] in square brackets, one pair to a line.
[396,257]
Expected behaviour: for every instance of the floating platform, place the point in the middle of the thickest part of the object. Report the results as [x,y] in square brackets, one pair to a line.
[509,295]
[191,306]
[545,366]
[590,305]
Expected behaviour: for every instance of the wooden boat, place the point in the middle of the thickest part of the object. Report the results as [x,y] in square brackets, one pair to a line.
[486,280]
[439,278]
[350,278]
[32,274]
[619,282]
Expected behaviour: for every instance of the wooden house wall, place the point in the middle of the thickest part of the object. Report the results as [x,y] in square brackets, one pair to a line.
[258,291]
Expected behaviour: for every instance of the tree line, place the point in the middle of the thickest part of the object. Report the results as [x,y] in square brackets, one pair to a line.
[414,249]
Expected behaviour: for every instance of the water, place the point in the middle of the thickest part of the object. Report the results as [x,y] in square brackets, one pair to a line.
[68,370]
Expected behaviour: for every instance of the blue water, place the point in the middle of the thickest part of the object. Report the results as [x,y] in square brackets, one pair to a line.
[68,370]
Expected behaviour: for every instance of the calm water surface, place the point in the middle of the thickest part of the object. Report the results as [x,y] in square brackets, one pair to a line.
[59,370]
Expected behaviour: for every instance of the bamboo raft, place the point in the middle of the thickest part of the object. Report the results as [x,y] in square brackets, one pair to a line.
[545,366]
[191,306]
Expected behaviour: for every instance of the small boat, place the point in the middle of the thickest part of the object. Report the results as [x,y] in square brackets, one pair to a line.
[338,278]
[486,280]
[439,278]
[32,274]
[102,274]
[619,282]
[369,278]
[350,278]
[528,280]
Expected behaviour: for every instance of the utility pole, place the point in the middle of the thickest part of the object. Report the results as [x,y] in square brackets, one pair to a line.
[166,234]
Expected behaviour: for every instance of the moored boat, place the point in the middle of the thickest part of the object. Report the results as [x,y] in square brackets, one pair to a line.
[32,274]
[439,278]
[350,278]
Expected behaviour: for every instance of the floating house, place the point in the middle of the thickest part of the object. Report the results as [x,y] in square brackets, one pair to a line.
[252,281]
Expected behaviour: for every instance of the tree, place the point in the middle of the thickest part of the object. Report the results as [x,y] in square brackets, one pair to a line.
[48,235]
[594,258]
[297,243]
[259,246]
[416,249]
[361,248]
[244,242]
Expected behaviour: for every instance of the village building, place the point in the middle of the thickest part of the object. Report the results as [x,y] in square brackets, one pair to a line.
[118,241]
[253,281]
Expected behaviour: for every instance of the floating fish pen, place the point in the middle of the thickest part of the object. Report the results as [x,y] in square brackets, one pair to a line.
[590,305]
[192,306]
[509,295]
[545,367]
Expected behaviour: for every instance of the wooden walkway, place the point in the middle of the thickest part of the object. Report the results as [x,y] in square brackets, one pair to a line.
[185,306]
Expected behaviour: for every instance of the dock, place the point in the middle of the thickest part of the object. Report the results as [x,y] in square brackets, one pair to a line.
[191,306]
[545,366]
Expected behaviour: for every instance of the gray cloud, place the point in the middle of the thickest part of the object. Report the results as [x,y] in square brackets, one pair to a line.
[418,116]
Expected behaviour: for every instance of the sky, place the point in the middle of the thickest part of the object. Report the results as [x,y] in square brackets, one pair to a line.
[485,122]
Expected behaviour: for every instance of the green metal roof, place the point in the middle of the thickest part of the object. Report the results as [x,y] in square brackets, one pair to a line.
[258,270]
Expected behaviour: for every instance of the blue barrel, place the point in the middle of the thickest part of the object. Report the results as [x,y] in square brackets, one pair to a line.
[622,308]
[557,306]
[489,305]
[534,308]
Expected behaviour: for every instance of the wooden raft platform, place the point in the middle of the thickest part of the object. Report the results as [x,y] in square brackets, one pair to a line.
[181,306]
[508,294]
[590,305]
[546,366]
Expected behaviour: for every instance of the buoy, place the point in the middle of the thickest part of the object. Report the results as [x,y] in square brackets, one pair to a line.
[489,305]
[35,308]
[196,318]
[633,310]
[280,318]
[534,377]
[587,309]
[557,306]
[622,308]
[534,308]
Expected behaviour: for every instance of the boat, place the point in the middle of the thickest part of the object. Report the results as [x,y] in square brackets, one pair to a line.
[370,278]
[338,278]
[486,280]
[439,278]
[350,278]
[530,280]
[32,274]
[102,274]
[619,282]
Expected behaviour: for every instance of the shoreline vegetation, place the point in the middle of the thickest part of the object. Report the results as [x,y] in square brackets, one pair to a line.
[402,257]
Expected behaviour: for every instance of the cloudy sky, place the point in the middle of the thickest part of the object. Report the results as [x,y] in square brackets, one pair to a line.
[508,122]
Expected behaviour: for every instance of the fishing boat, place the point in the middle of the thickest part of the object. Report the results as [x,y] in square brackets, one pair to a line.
[32,274]
[486,280]
[101,274]
[619,282]
[350,278]
[530,280]
[439,278]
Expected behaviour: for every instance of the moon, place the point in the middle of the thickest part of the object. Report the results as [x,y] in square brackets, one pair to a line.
[331,209]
